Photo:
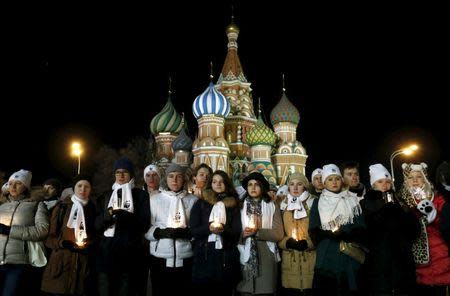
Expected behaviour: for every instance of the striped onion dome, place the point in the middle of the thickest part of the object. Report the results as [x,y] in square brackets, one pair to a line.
[182,142]
[260,134]
[211,102]
[284,111]
[167,121]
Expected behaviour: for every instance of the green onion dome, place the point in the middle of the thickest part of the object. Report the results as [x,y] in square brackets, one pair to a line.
[260,134]
[167,121]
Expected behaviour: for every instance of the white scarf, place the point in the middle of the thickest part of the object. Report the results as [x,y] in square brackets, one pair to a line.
[296,204]
[219,215]
[267,210]
[126,203]
[76,218]
[176,217]
[337,209]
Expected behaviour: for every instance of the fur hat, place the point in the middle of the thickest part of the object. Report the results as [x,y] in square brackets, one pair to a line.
[23,176]
[378,172]
[328,170]
[409,167]
[79,178]
[125,164]
[265,186]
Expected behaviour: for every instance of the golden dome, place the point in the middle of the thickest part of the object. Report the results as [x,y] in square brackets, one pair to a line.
[232,28]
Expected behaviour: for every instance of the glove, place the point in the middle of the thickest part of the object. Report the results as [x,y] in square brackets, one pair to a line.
[427,208]
[183,233]
[164,233]
[121,214]
[108,218]
[4,229]
[299,245]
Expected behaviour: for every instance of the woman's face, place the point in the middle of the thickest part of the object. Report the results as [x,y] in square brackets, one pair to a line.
[83,189]
[383,185]
[152,180]
[16,188]
[51,191]
[175,181]
[296,187]
[218,185]
[415,179]
[254,189]
[333,183]
[201,177]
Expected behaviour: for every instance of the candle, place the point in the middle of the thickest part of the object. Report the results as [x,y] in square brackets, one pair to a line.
[216,224]
[294,234]
[252,222]
[80,243]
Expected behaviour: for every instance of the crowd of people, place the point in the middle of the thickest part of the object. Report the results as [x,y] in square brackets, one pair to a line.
[194,233]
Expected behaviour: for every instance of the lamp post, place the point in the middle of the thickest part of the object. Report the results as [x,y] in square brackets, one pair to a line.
[76,151]
[406,151]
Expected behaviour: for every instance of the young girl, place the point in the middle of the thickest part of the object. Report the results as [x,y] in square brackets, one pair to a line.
[215,224]
[335,219]
[262,228]
[299,255]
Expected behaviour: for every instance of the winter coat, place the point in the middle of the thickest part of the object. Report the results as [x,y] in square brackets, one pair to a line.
[28,217]
[297,268]
[126,248]
[213,265]
[330,261]
[167,247]
[266,282]
[391,231]
[66,272]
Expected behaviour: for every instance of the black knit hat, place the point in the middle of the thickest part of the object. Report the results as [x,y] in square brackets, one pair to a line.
[124,163]
[79,178]
[56,184]
[265,186]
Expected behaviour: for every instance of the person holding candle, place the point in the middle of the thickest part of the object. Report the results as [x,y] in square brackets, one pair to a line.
[299,256]
[23,219]
[430,250]
[123,217]
[71,239]
[391,231]
[262,228]
[215,224]
[169,235]
[335,220]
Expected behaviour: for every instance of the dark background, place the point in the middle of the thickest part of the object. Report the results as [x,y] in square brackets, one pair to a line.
[366,80]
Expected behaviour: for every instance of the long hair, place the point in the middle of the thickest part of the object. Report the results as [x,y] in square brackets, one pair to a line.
[229,188]
[201,166]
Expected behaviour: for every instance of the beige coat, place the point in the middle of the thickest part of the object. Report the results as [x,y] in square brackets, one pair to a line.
[297,268]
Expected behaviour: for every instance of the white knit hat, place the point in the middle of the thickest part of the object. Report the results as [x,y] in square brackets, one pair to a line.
[317,171]
[23,176]
[378,172]
[152,168]
[328,170]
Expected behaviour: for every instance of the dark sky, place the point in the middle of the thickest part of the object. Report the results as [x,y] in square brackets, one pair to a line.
[366,80]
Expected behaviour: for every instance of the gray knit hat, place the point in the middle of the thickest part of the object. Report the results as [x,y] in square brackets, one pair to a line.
[173,167]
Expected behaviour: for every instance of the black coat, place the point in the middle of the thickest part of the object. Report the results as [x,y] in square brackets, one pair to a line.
[391,231]
[213,265]
[127,247]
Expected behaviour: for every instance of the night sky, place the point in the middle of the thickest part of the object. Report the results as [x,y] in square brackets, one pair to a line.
[366,80]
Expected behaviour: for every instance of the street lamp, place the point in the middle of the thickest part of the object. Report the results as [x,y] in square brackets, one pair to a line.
[406,151]
[76,151]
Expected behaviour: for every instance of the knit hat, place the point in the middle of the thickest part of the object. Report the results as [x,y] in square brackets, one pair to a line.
[409,167]
[174,167]
[317,171]
[328,170]
[378,172]
[258,177]
[125,164]
[152,168]
[79,178]
[23,176]
[300,177]
[56,184]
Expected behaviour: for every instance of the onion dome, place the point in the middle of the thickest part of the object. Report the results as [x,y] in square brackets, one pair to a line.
[167,121]
[232,28]
[284,111]
[211,102]
[260,134]
[182,142]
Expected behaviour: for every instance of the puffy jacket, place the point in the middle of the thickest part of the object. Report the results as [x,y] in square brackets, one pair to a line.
[28,217]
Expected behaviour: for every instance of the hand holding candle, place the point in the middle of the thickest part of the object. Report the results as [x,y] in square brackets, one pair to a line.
[216,227]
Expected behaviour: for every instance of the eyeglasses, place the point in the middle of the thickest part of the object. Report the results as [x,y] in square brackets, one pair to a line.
[122,173]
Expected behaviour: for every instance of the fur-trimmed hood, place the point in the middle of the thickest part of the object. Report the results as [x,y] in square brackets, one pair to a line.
[212,198]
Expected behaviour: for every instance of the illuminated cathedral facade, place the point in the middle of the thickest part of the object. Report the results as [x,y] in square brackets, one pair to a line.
[230,136]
